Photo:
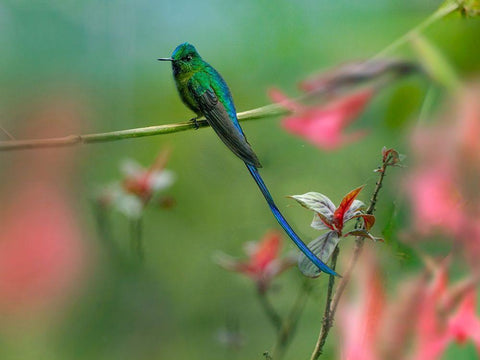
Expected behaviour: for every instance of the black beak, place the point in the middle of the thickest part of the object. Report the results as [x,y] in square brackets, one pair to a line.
[165,59]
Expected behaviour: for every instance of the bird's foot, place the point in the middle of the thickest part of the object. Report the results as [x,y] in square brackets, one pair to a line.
[195,122]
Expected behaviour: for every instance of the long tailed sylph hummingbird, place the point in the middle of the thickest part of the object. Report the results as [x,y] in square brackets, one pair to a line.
[205,92]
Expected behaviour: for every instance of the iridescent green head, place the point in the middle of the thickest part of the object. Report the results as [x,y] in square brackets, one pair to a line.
[185,59]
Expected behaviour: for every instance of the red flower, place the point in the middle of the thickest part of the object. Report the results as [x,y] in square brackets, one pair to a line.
[329,217]
[264,262]
[139,186]
[145,182]
[324,125]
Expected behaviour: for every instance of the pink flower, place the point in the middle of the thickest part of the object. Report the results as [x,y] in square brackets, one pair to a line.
[445,314]
[437,203]
[264,262]
[465,324]
[443,185]
[360,320]
[430,315]
[324,125]
[44,255]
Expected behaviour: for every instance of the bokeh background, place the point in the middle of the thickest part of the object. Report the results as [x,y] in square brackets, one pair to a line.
[90,66]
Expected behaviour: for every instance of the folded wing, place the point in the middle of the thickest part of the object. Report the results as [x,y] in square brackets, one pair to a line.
[219,119]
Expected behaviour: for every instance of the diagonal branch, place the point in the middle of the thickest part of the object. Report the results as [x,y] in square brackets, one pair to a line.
[344,80]
[10,136]
[445,9]
[70,140]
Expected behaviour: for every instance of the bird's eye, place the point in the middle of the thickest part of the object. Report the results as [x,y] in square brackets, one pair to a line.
[188,58]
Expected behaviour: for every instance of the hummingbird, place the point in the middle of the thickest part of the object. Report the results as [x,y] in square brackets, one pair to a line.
[206,93]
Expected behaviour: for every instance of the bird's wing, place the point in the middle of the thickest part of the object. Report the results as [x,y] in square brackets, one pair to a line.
[218,118]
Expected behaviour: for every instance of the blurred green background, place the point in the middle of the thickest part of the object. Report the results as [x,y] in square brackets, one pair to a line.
[103,55]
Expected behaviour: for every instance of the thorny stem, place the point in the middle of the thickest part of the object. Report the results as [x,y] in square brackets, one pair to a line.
[289,325]
[332,303]
[271,313]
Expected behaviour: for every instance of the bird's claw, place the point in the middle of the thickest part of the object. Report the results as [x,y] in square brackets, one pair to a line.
[195,123]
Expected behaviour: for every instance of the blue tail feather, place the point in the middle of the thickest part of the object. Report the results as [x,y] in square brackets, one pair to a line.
[284,224]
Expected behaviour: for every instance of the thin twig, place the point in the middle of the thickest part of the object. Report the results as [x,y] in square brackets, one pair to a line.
[136,240]
[327,319]
[330,309]
[6,132]
[447,8]
[71,140]
[271,313]
[289,325]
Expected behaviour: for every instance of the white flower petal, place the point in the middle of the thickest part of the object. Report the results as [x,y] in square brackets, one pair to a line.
[131,168]
[129,205]
[225,261]
[250,247]
[160,180]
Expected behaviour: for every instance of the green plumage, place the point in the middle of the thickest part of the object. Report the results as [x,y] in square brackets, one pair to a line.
[205,92]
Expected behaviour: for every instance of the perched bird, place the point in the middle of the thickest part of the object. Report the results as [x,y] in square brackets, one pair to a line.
[205,92]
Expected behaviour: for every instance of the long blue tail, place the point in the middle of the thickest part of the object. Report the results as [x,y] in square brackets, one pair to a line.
[281,220]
